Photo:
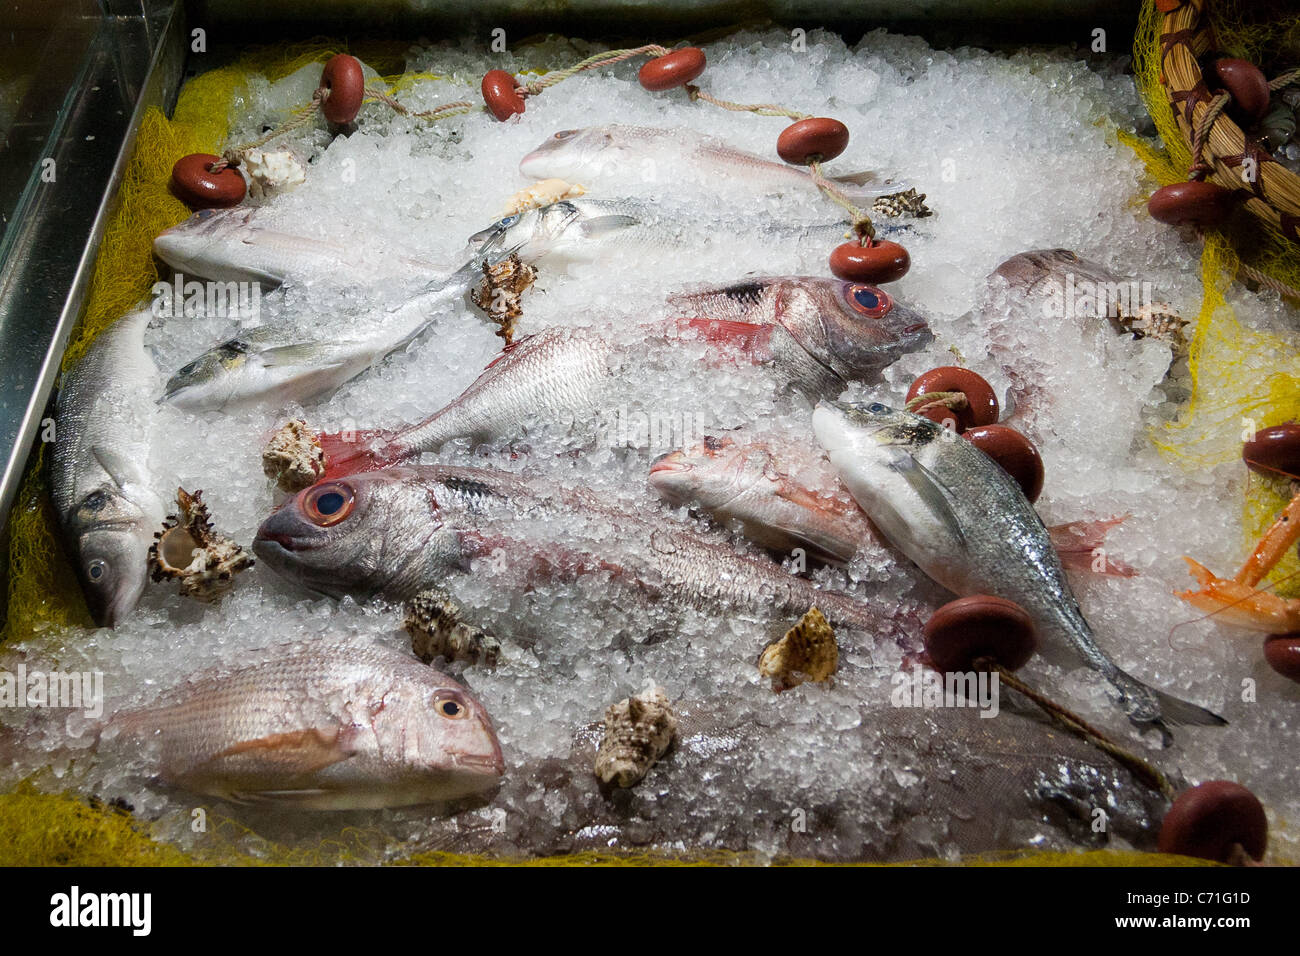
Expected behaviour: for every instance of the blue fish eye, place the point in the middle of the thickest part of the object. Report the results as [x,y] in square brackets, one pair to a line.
[330,504]
[867,298]
[510,220]
[876,408]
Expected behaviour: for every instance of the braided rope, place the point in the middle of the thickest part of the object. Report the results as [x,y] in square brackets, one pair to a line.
[459,108]
[861,221]
[762,109]
[608,58]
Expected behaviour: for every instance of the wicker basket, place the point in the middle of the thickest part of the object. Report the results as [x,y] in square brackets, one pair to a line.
[1275,190]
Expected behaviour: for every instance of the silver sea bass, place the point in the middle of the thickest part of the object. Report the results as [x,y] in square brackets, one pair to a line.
[231,245]
[952,510]
[326,725]
[638,154]
[106,499]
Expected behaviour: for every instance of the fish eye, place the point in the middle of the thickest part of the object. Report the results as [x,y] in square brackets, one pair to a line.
[509,220]
[876,408]
[328,503]
[868,300]
[451,707]
[565,133]
[713,444]
[96,569]
[203,214]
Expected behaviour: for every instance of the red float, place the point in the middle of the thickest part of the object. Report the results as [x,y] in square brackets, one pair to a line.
[1282,651]
[878,261]
[346,83]
[194,183]
[1274,451]
[1014,452]
[1247,84]
[981,401]
[672,69]
[501,93]
[1192,203]
[817,138]
[1208,820]
[967,631]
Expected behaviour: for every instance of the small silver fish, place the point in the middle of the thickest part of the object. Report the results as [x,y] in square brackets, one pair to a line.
[636,154]
[103,492]
[967,525]
[327,725]
[228,245]
[276,364]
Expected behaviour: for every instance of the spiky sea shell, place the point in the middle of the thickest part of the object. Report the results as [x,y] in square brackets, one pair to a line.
[434,623]
[190,551]
[638,731]
[293,458]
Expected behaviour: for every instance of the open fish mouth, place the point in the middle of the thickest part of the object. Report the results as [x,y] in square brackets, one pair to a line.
[666,463]
[493,764]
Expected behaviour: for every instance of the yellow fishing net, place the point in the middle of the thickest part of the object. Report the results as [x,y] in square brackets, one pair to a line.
[52,829]
[1242,378]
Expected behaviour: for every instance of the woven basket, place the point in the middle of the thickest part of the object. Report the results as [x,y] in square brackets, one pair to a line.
[1275,190]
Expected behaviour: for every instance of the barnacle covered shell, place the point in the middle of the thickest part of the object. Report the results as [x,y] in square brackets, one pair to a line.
[906,203]
[638,731]
[273,171]
[293,458]
[499,293]
[1157,320]
[188,550]
[807,652]
[434,622]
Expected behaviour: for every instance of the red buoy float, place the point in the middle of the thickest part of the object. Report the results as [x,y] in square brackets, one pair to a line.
[1247,84]
[1282,651]
[1014,452]
[878,261]
[1210,818]
[981,401]
[817,138]
[194,183]
[1274,451]
[501,93]
[672,69]
[1192,203]
[971,630]
[346,83]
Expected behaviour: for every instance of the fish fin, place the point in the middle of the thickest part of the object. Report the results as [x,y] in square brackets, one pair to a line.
[296,751]
[119,469]
[297,354]
[931,492]
[745,336]
[1179,712]
[601,226]
[508,348]
[286,797]
[863,178]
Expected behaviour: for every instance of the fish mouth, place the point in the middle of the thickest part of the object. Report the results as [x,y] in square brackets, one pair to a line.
[668,463]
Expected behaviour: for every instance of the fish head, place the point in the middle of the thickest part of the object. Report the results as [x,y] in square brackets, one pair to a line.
[871,431]
[111,562]
[711,473]
[209,380]
[436,729]
[361,535]
[571,153]
[853,329]
[189,247]
[1032,272]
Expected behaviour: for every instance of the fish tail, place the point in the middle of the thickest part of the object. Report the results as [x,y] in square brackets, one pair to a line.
[1147,705]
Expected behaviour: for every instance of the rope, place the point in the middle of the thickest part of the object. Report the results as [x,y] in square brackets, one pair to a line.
[608,58]
[762,109]
[954,401]
[458,108]
[1140,768]
[301,117]
[1217,106]
[861,221]
[1285,80]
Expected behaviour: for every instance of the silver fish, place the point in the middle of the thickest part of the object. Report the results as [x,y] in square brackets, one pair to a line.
[786,495]
[105,497]
[637,154]
[799,328]
[327,725]
[395,532]
[275,364]
[228,245]
[966,524]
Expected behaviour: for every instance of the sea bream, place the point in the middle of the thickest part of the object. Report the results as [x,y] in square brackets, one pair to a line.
[325,725]
[396,532]
[628,155]
[105,496]
[232,245]
[786,495]
[813,334]
[954,512]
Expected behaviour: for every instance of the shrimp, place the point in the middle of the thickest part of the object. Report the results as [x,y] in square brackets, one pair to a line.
[1238,600]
